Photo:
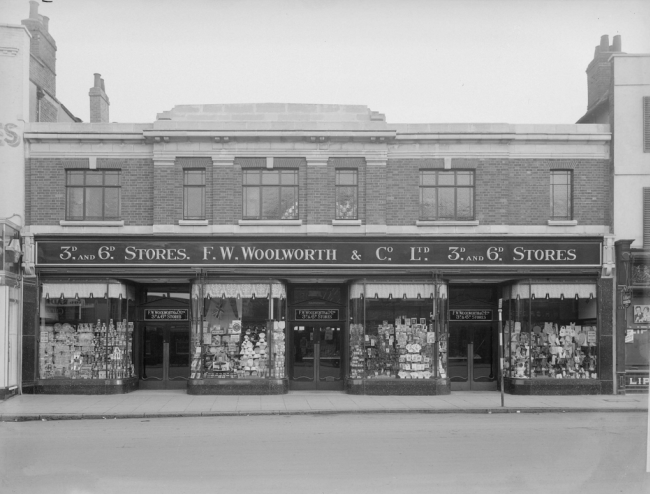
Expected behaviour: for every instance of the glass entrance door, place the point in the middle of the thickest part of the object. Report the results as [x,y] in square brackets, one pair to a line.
[473,356]
[165,356]
[315,356]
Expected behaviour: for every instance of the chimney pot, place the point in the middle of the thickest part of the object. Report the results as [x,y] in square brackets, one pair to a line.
[604,42]
[617,43]
[102,84]
[46,23]
[33,9]
[98,78]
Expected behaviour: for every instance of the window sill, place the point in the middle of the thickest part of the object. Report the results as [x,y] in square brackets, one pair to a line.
[562,222]
[346,222]
[445,223]
[92,223]
[270,222]
[192,222]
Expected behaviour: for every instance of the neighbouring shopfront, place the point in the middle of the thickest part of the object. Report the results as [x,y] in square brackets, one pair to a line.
[368,315]
[633,317]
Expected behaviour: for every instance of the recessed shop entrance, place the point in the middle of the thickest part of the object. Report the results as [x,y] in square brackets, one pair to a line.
[165,357]
[315,340]
[473,337]
[472,362]
[316,356]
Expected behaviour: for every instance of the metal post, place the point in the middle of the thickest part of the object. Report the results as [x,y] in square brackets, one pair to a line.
[501,349]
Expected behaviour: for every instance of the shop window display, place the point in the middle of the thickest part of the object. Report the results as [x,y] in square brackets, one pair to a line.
[397,338]
[551,338]
[239,333]
[85,338]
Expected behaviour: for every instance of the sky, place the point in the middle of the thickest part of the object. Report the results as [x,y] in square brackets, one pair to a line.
[416,61]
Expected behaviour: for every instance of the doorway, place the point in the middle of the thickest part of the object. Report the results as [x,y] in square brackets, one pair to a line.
[315,356]
[472,356]
[165,356]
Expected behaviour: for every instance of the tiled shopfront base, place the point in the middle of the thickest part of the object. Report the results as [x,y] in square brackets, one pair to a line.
[85,386]
[403,387]
[554,386]
[237,386]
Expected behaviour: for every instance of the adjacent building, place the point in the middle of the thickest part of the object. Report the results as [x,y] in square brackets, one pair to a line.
[619,95]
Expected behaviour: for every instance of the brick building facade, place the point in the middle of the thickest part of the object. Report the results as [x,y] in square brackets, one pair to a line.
[347,227]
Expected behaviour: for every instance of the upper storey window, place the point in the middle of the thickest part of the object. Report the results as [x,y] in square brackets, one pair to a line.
[270,194]
[561,195]
[446,195]
[347,194]
[93,195]
[194,194]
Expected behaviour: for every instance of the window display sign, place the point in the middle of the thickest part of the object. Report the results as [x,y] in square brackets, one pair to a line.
[470,315]
[317,314]
[166,314]
[312,252]
[642,314]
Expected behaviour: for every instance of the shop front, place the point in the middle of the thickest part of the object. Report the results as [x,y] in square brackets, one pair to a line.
[633,317]
[243,315]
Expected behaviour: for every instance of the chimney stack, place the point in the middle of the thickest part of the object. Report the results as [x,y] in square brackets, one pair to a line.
[599,72]
[98,101]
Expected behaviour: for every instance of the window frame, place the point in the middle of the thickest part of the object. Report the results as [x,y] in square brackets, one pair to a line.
[187,187]
[279,187]
[103,186]
[436,172]
[569,202]
[338,186]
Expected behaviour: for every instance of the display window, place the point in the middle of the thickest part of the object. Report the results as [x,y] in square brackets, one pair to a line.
[86,331]
[637,334]
[238,331]
[550,331]
[398,331]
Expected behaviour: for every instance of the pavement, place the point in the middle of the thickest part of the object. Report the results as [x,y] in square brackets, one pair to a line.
[177,403]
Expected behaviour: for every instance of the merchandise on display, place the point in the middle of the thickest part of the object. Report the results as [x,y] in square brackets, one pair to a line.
[404,350]
[86,351]
[551,350]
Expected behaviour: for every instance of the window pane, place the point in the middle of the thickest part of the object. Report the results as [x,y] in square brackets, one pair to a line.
[560,199]
[251,202]
[252,177]
[75,203]
[94,178]
[464,203]
[464,178]
[112,177]
[428,203]
[289,203]
[289,177]
[75,177]
[446,178]
[427,178]
[270,177]
[194,177]
[193,207]
[346,203]
[346,177]
[112,203]
[270,202]
[560,177]
[446,203]
[94,203]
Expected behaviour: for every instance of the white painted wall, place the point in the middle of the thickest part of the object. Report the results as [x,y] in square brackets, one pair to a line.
[631,164]
[14,112]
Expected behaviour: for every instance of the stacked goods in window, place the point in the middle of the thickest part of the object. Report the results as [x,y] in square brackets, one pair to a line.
[86,351]
[278,349]
[253,353]
[563,351]
[519,351]
[382,354]
[415,345]
[220,350]
[357,362]
[442,351]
